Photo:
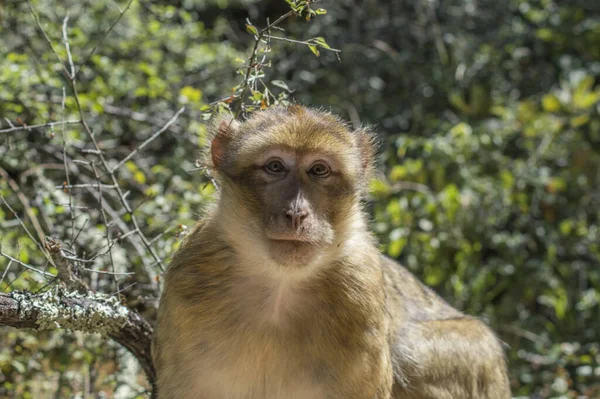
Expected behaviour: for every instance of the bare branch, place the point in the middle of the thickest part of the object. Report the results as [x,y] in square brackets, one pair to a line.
[48,41]
[149,140]
[5,272]
[85,185]
[65,163]
[38,231]
[25,265]
[42,125]
[141,117]
[93,51]
[68,47]
[26,206]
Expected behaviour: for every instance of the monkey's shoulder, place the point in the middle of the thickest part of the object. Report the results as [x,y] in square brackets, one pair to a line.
[202,261]
[412,298]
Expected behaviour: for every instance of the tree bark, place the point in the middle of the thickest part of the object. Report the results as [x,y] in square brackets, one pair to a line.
[89,312]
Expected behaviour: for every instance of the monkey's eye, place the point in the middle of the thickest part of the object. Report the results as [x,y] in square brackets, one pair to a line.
[275,167]
[319,169]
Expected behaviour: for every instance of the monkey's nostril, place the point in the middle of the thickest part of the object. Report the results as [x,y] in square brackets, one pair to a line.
[296,217]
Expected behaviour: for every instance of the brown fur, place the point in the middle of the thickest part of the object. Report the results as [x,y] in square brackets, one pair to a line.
[255,307]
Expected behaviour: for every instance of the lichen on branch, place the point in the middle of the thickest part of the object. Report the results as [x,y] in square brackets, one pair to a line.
[58,308]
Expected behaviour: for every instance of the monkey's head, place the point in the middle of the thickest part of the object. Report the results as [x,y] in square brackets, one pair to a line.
[292,178]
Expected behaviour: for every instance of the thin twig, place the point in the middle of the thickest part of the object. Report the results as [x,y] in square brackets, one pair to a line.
[106,272]
[26,266]
[140,117]
[159,235]
[31,127]
[48,41]
[36,242]
[109,242]
[542,148]
[149,140]
[10,262]
[64,137]
[124,288]
[305,42]
[81,228]
[93,51]
[411,186]
[68,47]
[84,185]
[26,206]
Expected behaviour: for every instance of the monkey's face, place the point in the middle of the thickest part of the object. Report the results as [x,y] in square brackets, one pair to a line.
[295,196]
[295,177]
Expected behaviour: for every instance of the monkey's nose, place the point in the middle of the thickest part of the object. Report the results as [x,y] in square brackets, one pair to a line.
[296,217]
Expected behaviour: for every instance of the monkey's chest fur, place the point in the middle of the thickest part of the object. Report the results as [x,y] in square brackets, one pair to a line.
[272,343]
[257,367]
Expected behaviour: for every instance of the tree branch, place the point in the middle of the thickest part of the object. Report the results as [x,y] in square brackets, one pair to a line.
[89,312]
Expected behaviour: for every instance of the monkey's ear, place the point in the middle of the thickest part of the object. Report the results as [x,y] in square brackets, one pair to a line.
[368,144]
[222,131]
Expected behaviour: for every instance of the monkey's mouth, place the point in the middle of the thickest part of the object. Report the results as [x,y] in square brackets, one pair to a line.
[287,237]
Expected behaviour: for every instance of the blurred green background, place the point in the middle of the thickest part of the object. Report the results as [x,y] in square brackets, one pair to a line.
[489,187]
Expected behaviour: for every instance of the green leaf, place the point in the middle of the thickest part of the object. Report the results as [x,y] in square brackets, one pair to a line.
[314,50]
[281,84]
[190,94]
[461,129]
[395,247]
[545,34]
[398,172]
[585,85]
[456,99]
[583,96]
[321,11]
[379,187]
[550,103]
[256,95]
[252,29]
[580,120]
[321,42]
[139,177]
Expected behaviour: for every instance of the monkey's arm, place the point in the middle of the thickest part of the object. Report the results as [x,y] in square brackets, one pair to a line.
[439,353]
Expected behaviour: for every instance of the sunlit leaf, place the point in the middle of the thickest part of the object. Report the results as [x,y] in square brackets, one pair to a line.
[252,29]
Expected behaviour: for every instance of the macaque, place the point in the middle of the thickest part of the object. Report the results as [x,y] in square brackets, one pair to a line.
[280,291]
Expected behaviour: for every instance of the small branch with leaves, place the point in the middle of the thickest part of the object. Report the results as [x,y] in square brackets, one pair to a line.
[253,86]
